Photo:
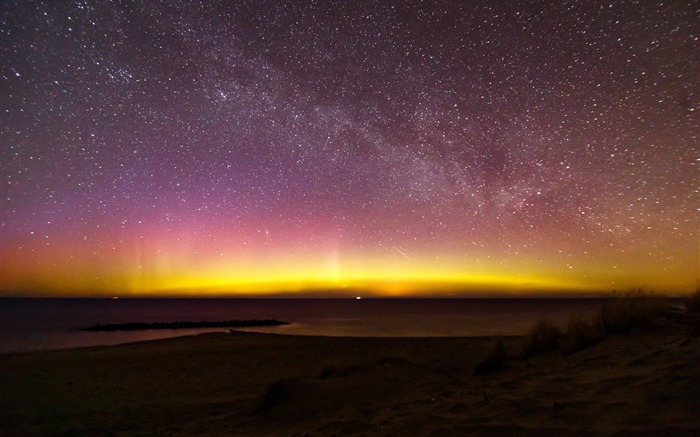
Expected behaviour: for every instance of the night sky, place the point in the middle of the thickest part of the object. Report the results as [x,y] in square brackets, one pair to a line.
[167,147]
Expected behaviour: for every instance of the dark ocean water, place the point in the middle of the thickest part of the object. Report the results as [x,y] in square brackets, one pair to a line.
[38,324]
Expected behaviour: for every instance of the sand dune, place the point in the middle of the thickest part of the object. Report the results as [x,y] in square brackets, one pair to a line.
[249,384]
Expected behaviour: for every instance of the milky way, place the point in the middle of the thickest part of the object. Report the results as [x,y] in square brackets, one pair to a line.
[259,146]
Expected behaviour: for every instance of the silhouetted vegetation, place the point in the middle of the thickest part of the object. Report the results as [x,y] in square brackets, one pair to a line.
[581,333]
[619,315]
[278,392]
[692,308]
[543,337]
[495,359]
[692,303]
[185,325]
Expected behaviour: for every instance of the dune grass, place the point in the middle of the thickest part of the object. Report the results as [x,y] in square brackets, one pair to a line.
[692,303]
[617,316]
[543,337]
[496,358]
[278,392]
[692,308]
[581,333]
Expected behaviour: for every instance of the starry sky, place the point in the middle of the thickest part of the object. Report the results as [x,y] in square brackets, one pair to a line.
[409,147]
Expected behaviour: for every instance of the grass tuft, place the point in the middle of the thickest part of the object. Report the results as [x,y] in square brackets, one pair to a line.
[278,392]
[692,307]
[495,358]
[543,337]
[581,334]
[619,315]
[692,303]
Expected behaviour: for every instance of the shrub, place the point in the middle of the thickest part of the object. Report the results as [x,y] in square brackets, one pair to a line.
[495,359]
[692,303]
[619,315]
[582,333]
[693,329]
[498,351]
[280,391]
[543,337]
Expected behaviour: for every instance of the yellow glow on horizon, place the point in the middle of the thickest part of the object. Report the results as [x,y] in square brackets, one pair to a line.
[326,273]
[382,276]
[160,267]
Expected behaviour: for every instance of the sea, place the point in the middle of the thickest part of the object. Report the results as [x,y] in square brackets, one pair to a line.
[31,324]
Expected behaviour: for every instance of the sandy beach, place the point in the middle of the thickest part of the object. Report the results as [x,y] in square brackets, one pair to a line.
[644,382]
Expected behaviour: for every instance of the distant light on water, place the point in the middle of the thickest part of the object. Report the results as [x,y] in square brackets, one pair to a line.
[40,324]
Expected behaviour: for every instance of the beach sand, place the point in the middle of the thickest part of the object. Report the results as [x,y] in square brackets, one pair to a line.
[248,384]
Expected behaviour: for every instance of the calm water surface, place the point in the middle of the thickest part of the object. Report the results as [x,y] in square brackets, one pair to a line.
[38,324]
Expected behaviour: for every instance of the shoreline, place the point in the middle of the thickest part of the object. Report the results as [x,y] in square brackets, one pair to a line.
[246,332]
[245,383]
[55,324]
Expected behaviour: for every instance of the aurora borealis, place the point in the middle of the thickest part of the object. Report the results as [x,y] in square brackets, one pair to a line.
[253,147]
